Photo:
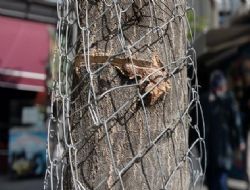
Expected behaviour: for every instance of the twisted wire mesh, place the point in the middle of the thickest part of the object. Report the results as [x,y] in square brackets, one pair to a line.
[85,96]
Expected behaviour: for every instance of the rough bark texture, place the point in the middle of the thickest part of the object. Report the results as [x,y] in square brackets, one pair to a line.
[128,132]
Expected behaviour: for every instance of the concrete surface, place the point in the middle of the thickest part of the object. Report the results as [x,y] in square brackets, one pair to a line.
[21,184]
[37,184]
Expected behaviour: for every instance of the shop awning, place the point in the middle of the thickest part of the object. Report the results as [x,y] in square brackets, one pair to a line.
[218,44]
[24,52]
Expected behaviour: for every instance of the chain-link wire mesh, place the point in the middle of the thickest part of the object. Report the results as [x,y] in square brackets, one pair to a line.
[125,83]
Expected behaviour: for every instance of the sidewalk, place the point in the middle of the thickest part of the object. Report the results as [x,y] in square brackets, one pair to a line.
[37,184]
[21,184]
[233,184]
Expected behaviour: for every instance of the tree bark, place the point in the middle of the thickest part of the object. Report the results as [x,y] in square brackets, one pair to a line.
[147,147]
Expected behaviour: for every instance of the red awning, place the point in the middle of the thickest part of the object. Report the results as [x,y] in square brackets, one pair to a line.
[24,51]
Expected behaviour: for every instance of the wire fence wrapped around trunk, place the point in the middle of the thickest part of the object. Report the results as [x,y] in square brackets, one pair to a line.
[124,88]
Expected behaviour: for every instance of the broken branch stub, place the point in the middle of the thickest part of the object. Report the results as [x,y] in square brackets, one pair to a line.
[152,77]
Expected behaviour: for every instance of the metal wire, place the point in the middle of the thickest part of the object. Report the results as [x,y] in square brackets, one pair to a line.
[75,97]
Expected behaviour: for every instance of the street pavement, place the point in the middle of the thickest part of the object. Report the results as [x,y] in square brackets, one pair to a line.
[37,184]
[21,184]
[233,184]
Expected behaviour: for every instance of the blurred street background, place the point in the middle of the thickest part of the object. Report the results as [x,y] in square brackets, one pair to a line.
[221,37]
[27,38]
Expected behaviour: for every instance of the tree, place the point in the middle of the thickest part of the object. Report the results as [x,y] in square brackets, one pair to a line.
[128,108]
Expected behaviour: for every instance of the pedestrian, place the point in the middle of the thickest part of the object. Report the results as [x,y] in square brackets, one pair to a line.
[223,130]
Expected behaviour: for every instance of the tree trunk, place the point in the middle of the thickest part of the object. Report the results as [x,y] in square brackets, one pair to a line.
[123,141]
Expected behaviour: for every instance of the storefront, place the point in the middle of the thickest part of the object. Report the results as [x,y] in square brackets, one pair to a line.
[228,49]
[24,56]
